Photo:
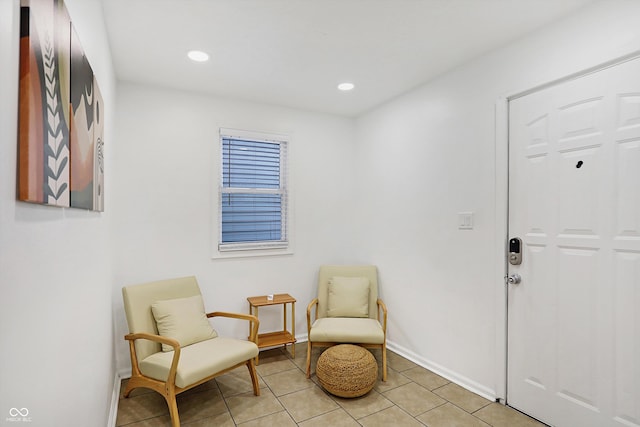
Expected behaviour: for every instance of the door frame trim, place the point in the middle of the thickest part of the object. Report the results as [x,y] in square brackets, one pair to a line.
[501,187]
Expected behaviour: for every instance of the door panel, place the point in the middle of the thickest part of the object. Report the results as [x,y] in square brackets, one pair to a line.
[574,200]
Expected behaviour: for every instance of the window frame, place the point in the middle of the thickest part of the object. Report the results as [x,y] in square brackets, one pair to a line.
[264,247]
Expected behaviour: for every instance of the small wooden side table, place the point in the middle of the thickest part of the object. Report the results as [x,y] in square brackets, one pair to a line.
[271,339]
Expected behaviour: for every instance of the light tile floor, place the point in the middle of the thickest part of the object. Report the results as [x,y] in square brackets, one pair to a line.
[411,396]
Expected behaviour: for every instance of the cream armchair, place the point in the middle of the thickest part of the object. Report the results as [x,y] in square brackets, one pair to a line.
[172,344]
[347,310]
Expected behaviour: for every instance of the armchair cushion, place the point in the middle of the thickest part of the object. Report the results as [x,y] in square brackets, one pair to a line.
[199,360]
[183,319]
[348,297]
[347,330]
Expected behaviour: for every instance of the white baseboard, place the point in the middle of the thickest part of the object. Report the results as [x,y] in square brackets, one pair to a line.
[124,373]
[452,376]
[115,398]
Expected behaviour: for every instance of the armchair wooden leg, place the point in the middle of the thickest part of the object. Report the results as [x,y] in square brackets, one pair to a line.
[384,362]
[254,377]
[129,388]
[308,359]
[135,382]
[173,409]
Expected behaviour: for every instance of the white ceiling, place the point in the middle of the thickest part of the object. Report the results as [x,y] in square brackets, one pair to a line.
[294,52]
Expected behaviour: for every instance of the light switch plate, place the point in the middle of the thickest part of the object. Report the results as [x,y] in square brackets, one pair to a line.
[465,220]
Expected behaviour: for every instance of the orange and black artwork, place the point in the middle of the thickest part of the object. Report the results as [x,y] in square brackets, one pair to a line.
[60,129]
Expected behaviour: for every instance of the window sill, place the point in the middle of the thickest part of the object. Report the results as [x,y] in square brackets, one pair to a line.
[251,253]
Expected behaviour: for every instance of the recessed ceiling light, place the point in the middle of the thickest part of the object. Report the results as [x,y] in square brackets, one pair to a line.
[346,86]
[198,55]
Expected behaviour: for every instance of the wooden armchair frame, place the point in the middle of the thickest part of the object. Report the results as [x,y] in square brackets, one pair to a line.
[168,389]
[381,307]
[378,313]
[145,341]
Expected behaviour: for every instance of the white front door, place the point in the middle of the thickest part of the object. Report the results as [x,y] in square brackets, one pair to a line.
[574,200]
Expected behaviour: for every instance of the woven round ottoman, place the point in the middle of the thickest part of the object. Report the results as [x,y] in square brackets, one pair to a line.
[347,370]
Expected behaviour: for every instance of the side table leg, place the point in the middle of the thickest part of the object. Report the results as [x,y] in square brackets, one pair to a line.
[293,328]
[284,322]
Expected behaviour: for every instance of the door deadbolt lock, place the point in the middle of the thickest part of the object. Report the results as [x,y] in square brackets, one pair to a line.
[515,251]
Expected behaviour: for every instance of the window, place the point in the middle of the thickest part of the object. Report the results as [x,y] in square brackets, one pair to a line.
[253,191]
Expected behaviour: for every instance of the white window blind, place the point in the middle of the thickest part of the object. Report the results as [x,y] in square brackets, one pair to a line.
[253,192]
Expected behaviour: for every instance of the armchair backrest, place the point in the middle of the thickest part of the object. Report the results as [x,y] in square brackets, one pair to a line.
[137,307]
[328,271]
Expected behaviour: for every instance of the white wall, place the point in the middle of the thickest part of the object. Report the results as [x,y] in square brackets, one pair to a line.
[430,154]
[55,270]
[164,195]
[415,163]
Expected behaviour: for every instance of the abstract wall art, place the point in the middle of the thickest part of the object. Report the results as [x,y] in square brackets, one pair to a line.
[86,136]
[61,115]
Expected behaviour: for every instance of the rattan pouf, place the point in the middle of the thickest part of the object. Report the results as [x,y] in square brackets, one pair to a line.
[347,370]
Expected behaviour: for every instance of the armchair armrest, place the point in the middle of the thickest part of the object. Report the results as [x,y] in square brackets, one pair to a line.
[309,308]
[151,337]
[383,307]
[253,320]
[171,379]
